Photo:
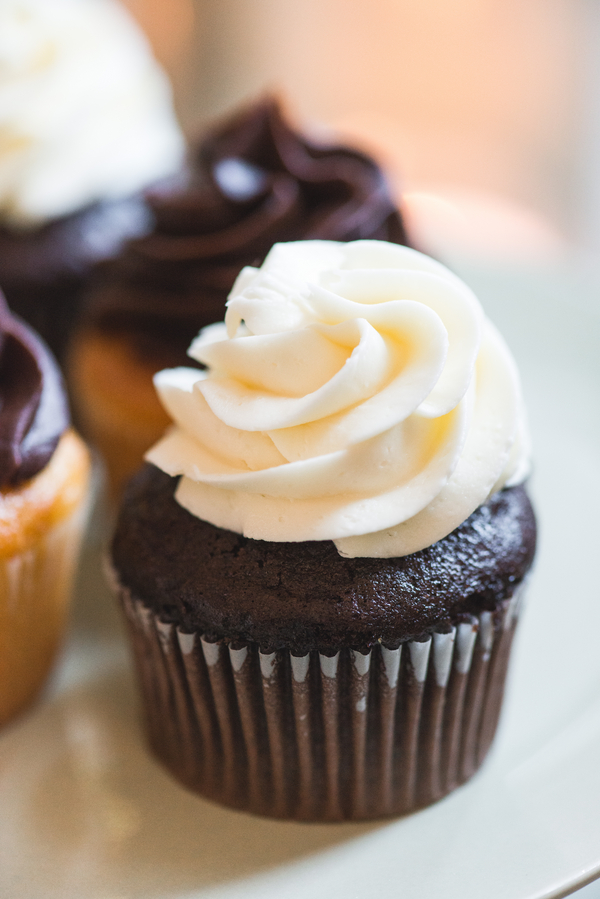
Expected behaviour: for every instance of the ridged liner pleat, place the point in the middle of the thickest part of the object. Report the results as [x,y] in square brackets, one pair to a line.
[35,588]
[350,736]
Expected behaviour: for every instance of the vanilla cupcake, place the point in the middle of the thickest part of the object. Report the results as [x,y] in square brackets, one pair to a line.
[254,180]
[323,565]
[44,487]
[86,124]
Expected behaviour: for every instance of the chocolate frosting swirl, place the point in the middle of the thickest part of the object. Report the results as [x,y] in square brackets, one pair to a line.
[33,406]
[253,182]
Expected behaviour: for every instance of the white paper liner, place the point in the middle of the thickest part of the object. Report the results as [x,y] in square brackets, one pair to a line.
[35,588]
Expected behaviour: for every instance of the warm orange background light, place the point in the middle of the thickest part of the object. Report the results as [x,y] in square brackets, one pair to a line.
[479,94]
[169,25]
[171,28]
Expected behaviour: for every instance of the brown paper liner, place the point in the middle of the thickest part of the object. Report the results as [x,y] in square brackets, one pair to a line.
[348,737]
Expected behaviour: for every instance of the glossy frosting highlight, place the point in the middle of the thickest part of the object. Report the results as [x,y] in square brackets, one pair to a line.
[253,181]
[33,407]
[355,393]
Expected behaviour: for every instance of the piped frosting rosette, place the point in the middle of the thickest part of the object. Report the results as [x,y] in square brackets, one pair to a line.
[85,111]
[355,393]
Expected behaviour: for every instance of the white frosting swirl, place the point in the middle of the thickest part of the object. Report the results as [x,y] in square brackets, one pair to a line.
[85,111]
[355,393]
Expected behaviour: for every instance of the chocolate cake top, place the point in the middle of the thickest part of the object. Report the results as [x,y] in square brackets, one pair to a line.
[305,596]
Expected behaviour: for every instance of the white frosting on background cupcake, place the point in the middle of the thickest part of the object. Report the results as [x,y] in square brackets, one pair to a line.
[356,393]
[85,110]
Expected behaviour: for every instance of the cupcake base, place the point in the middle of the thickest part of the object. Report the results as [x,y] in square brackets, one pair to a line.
[121,423]
[43,271]
[41,526]
[350,736]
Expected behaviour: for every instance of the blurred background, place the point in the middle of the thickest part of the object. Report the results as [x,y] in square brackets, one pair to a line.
[485,112]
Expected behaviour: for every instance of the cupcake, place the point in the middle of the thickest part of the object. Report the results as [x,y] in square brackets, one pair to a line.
[44,476]
[322,565]
[253,181]
[86,124]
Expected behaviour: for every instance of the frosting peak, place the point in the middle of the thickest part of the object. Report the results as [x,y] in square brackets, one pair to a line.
[355,392]
[252,182]
[33,408]
[338,193]
[85,111]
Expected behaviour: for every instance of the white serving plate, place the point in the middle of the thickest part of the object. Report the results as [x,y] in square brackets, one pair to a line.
[86,814]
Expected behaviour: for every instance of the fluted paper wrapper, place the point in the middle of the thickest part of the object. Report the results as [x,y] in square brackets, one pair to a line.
[322,738]
[35,589]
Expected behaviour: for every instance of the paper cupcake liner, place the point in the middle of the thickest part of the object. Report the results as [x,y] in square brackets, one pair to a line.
[325,738]
[35,588]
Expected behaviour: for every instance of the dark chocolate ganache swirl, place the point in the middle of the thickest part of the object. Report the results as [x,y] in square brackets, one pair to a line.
[253,182]
[33,407]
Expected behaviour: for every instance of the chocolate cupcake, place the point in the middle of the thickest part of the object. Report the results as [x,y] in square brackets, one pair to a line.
[252,182]
[86,125]
[323,579]
[44,481]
